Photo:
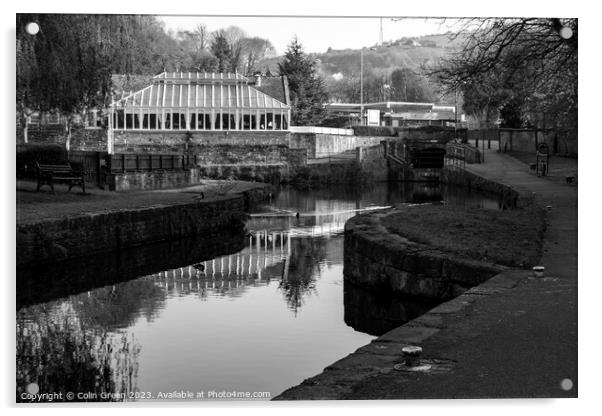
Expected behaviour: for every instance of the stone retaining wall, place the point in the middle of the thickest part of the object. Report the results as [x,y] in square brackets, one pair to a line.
[507,195]
[49,241]
[373,163]
[157,179]
[261,172]
[45,282]
[92,139]
[192,142]
[377,259]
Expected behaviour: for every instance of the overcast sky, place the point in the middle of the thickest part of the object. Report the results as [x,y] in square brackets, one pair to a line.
[317,34]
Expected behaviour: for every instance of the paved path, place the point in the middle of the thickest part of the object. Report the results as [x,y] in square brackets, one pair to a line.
[513,336]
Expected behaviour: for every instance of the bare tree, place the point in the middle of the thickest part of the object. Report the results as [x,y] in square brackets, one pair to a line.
[235,37]
[202,36]
[514,62]
[256,49]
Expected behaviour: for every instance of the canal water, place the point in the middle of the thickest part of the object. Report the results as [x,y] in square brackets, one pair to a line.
[253,312]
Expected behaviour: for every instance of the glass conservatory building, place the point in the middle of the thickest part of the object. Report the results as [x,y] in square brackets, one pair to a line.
[198,101]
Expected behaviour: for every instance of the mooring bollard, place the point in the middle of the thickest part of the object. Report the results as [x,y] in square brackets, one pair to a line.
[411,354]
[538,271]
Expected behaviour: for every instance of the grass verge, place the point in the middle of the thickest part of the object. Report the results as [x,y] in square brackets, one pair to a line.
[511,238]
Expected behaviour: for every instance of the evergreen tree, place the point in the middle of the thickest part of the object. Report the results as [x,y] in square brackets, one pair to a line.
[307,90]
[220,48]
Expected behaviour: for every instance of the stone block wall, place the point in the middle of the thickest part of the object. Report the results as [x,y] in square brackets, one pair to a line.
[43,283]
[506,195]
[157,179]
[182,141]
[373,162]
[249,154]
[267,172]
[72,237]
[379,260]
[93,139]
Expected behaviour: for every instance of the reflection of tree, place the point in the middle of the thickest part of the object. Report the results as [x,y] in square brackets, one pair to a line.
[57,353]
[306,255]
[67,345]
[120,305]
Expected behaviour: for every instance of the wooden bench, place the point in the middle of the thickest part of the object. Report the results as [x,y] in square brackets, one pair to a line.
[49,174]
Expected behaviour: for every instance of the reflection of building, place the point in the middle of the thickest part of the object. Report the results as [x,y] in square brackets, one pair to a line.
[270,256]
[264,250]
[398,114]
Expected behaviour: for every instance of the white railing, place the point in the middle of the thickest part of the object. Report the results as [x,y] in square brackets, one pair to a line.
[321,130]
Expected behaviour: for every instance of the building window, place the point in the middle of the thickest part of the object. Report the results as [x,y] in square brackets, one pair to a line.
[118,119]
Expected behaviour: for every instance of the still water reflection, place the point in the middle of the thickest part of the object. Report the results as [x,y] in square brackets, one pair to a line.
[260,314]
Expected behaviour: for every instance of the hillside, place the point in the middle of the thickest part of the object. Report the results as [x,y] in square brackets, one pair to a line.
[336,66]
[403,53]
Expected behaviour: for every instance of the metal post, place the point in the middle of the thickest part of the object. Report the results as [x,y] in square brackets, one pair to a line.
[483,151]
[361,86]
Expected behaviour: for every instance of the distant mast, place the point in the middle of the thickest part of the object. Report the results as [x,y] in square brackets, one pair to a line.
[380,39]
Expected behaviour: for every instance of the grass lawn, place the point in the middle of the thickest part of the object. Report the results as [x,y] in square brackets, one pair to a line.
[43,205]
[511,238]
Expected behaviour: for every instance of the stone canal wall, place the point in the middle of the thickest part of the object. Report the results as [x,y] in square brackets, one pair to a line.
[373,163]
[72,237]
[158,179]
[45,282]
[506,194]
[379,260]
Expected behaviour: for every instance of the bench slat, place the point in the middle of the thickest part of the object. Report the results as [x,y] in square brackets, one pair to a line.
[60,173]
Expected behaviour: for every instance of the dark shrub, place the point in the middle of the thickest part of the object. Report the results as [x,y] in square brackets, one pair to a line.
[29,153]
[382,131]
[335,121]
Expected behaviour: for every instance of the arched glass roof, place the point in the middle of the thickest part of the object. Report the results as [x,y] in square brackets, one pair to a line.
[198,90]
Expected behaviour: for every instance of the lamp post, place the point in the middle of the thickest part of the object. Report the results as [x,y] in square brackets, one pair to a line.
[362,86]
[456,114]
[456,108]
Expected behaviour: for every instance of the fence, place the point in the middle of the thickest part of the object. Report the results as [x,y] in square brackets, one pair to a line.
[489,138]
[98,165]
[455,156]
[129,162]
[92,164]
